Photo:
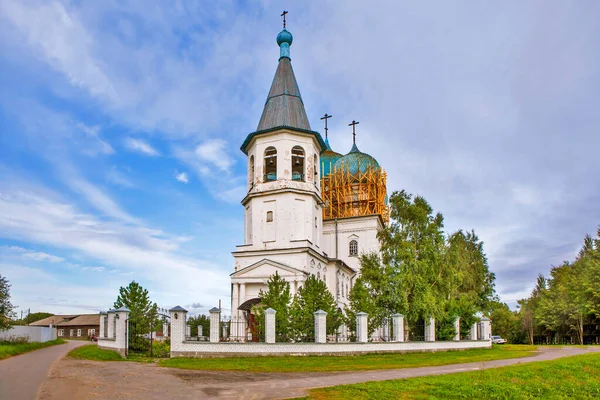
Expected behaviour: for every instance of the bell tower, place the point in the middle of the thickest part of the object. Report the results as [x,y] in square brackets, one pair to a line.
[283,203]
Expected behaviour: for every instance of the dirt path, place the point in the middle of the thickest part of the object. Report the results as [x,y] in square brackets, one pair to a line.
[77,379]
[21,376]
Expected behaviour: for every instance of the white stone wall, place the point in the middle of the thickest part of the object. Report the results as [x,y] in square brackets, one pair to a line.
[119,341]
[200,349]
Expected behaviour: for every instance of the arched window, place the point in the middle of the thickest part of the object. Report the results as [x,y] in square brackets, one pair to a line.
[353,248]
[270,164]
[316,167]
[297,163]
[251,172]
[319,275]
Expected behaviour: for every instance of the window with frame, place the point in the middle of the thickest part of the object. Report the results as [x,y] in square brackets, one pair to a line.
[298,164]
[61,332]
[251,172]
[353,248]
[270,165]
[78,332]
[72,332]
[269,216]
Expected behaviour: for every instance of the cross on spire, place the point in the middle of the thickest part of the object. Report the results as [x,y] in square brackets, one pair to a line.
[353,125]
[326,117]
[283,15]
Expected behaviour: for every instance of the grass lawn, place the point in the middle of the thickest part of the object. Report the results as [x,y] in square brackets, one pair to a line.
[11,349]
[575,377]
[348,363]
[93,352]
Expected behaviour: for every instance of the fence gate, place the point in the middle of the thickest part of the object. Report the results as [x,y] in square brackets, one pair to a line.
[139,336]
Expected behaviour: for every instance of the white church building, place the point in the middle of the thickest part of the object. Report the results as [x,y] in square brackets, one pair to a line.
[308,209]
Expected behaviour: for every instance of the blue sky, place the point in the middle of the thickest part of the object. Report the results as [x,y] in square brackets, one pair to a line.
[121,124]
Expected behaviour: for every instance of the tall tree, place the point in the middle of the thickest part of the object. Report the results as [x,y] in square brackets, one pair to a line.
[137,300]
[313,296]
[279,298]
[6,308]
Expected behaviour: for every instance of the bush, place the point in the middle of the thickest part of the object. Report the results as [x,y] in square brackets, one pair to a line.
[161,349]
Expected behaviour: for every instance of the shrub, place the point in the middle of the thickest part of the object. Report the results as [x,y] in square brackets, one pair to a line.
[161,349]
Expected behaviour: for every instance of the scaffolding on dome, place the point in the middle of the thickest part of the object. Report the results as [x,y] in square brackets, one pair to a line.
[351,195]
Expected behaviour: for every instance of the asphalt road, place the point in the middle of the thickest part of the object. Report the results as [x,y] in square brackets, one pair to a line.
[21,376]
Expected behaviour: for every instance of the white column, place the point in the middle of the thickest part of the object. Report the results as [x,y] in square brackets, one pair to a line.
[178,326]
[430,329]
[457,328]
[188,331]
[165,329]
[320,326]
[398,328]
[215,320]
[270,325]
[474,331]
[486,328]
[101,334]
[111,324]
[121,334]
[361,328]
[242,293]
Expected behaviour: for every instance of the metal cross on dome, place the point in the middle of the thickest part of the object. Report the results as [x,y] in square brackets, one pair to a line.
[326,117]
[283,15]
[353,125]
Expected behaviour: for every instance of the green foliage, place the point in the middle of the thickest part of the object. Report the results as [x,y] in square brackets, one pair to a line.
[313,296]
[6,308]
[367,362]
[561,306]
[137,300]
[570,378]
[421,272]
[161,348]
[30,318]
[199,320]
[279,298]
[9,348]
[94,353]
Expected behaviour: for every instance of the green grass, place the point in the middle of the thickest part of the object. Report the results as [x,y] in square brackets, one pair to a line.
[348,363]
[575,377]
[94,353]
[12,349]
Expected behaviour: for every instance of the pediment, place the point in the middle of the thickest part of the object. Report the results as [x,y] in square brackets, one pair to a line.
[266,268]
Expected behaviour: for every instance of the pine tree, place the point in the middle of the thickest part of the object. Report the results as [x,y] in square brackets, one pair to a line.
[311,297]
[277,297]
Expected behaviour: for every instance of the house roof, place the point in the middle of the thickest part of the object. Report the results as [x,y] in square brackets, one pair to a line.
[69,320]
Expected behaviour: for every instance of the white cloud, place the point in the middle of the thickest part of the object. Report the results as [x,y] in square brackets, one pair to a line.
[182,177]
[141,147]
[99,146]
[116,177]
[30,254]
[214,152]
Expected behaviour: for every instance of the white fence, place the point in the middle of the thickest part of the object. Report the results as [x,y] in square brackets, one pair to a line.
[34,333]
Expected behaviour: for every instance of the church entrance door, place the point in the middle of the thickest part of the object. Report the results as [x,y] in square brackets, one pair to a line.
[254,328]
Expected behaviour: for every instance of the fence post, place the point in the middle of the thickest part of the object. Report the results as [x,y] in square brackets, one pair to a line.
[215,320]
[474,331]
[121,333]
[397,328]
[320,326]
[457,328]
[178,324]
[430,329]
[188,331]
[362,335]
[486,328]
[101,333]
[111,324]
[270,325]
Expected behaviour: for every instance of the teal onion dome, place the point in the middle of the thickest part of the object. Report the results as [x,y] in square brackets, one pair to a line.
[284,37]
[284,41]
[328,160]
[355,161]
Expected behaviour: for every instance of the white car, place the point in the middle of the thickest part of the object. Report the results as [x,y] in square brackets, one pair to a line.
[498,340]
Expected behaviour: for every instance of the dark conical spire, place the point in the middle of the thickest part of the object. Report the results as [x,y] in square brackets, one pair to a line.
[284,105]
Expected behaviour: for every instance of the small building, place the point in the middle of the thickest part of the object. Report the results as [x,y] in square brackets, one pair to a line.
[80,326]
